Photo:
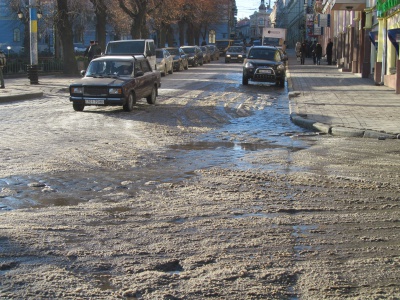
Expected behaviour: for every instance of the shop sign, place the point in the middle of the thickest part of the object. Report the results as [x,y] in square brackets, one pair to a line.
[383,6]
[324,20]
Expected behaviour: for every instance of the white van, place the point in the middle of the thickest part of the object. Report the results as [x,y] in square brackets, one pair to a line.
[131,47]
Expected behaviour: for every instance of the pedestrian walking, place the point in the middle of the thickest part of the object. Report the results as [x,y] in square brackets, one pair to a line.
[92,51]
[97,50]
[329,51]
[303,53]
[314,57]
[318,53]
[3,62]
[298,49]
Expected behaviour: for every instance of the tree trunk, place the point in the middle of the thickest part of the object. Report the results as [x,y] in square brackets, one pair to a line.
[101,17]
[181,25]
[67,39]
[170,36]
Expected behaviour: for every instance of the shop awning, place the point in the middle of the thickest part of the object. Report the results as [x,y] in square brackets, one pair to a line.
[373,36]
[394,37]
[355,5]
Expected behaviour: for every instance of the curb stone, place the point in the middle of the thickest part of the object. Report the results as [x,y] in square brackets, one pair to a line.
[20,97]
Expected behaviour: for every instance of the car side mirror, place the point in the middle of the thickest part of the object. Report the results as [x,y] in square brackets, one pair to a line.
[139,73]
[148,53]
[83,72]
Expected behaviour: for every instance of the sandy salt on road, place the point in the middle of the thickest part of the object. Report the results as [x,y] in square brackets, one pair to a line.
[225,234]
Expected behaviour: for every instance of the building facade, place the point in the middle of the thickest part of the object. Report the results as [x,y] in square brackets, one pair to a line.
[366,35]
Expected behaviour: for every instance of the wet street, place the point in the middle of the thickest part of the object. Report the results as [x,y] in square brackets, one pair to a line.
[210,193]
[257,119]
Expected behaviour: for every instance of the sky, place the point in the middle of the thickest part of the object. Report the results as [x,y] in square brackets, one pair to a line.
[247,7]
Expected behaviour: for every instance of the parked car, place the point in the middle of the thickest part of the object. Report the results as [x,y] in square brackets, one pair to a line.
[195,55]
[180,58]
[235,54]
[214,51]
[264,64]
[116,80]
[133,47]
[164,62]
[206,54]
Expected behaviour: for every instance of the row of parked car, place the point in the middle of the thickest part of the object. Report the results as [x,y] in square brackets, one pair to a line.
[173,59]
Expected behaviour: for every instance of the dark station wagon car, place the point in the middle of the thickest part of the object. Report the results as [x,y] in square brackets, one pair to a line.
[264,64]
[116,80]
[235,54]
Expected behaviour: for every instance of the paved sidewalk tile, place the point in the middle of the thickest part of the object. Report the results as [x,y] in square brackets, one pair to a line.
[21,89]
[324,94]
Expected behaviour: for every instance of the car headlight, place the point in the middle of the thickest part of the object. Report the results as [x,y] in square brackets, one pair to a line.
[249,65]
[281,67]
[228,55]
[77,90]
[239,55]
[115,91]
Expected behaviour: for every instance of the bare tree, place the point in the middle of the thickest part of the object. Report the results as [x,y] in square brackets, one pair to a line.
[66,35]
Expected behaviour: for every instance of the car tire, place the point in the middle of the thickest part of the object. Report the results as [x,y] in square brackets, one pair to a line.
[78,106]
[128,106]
[281,83]
[245,80]
[201,62]
[181,67]
[151,99]
[187,66]
[171,71]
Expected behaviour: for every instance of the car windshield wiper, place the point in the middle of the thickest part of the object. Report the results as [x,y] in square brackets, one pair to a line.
[112,75]
[94,75]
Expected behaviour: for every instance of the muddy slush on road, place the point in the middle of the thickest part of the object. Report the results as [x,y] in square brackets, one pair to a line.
[211,194]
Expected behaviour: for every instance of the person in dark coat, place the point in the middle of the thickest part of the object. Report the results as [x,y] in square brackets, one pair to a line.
[303,52]
[318,53]
[314,57]
[329,51]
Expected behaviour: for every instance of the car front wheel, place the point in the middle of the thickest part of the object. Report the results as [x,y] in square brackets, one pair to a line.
[128,106]
[151,99]
[78,106]
[245,80]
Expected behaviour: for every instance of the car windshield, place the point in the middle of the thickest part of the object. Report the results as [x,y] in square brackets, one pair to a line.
[222,44]
[235,49]
[189,50]
[108,68]
[125,47]
[261,53]
[159,54]
[174,51]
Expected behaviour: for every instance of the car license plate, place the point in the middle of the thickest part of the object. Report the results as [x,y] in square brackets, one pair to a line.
[265,71]
[233,57]
[94,102]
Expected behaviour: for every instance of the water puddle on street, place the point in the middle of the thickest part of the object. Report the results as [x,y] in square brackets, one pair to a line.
[235,145]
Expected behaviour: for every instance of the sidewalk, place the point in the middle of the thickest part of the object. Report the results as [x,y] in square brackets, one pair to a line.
[340,103]
[21,89]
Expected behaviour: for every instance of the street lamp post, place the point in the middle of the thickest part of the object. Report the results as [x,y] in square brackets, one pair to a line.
[34,15]
[8,49]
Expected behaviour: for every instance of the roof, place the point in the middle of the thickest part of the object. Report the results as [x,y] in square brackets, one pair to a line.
[120,57]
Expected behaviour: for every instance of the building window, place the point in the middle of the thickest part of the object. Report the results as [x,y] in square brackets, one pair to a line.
[17,35]
[261,22]
[211,37]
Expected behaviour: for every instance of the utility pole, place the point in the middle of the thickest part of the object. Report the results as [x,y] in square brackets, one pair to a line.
[33,28]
